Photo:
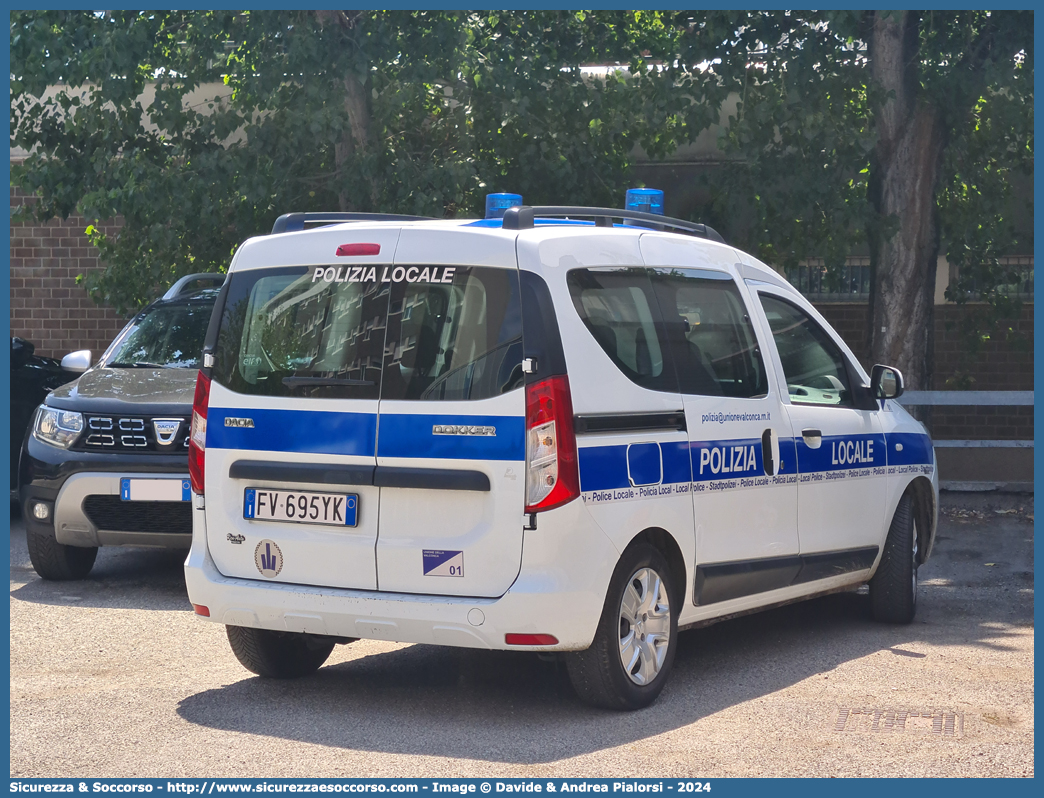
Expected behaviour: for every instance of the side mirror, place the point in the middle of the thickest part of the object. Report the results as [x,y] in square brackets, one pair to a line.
[886,382]
[77,361]
[21,351]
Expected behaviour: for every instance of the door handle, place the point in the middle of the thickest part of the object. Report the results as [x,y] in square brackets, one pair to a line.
[813,438]
[770,452]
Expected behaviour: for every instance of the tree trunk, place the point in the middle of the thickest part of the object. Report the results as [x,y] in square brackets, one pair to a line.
[904,239]
[358,139]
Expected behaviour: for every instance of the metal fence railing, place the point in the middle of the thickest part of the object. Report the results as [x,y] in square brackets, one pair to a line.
[983,479]
[850,284]
[1021,285]
[972,399]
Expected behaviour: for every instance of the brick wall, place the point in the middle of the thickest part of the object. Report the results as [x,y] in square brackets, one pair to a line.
[47,306]
[998,366]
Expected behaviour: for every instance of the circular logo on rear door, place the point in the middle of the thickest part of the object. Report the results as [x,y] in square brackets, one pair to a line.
[268,559]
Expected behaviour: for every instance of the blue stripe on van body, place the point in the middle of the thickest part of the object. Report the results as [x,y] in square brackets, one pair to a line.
[917,448]
[605,467]
[842,453]
[403,435]
[676,466]
[293,431]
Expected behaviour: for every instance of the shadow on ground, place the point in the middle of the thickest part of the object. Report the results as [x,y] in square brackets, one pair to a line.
[122,578]
[427,701]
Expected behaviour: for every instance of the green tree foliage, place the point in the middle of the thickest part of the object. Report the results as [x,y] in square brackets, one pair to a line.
[805,158]
[406,112]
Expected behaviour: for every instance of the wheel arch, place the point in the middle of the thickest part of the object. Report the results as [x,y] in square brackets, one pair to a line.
[665,543]
[926,513]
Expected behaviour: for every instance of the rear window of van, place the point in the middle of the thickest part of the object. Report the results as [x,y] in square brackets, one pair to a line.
[436,334]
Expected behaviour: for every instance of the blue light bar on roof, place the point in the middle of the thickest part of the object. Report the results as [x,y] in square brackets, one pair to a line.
[496,204]
[644,200]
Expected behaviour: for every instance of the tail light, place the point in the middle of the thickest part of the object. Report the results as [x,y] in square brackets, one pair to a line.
[552,476]
[530,640]
[198,433]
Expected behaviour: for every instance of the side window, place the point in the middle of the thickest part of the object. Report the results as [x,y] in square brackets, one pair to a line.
[619,309]
[812,363]
[714,345]
[460,340]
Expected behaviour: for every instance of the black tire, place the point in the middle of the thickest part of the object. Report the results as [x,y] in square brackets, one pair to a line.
[56,561]
[278,655]
[599,675]
[893,588]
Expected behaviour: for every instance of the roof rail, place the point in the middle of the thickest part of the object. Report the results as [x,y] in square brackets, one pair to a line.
[521,217]
[292,222]
[180,287]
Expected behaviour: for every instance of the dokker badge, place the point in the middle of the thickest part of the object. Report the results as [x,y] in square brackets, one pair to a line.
[465,429]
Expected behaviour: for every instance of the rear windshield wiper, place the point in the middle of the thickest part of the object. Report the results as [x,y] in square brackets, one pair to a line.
[140,364]
[317,382]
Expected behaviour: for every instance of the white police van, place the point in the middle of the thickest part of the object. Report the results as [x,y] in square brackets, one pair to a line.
[544,430]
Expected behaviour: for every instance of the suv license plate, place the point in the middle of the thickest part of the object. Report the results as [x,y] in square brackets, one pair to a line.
[301,507]
[155,490]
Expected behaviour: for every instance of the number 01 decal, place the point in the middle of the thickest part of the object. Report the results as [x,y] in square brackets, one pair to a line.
[443,563]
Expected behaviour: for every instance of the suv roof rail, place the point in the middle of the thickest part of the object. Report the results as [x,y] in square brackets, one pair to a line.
[181,286]
[521,217]
[292,222]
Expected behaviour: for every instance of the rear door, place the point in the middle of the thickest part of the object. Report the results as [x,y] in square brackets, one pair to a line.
[451,432]
[292,420]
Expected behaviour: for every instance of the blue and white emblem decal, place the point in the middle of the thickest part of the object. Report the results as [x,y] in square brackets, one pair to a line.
[443,563]
[268,559]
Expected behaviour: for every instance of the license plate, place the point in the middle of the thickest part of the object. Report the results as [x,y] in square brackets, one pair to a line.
[301,507]
[155,490]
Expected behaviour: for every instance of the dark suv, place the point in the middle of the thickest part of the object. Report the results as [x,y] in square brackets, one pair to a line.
[105,460]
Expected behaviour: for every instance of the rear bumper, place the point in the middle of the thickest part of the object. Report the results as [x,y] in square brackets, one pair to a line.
[560,590]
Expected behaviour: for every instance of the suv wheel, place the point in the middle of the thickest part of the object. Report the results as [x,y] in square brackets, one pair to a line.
[54,560]
[278,655]
[630,659]
[893,588]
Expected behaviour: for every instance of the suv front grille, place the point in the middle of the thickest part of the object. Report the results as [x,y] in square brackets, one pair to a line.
[133,434]
[112,513]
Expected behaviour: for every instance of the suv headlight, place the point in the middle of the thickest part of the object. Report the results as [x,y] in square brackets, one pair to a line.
[57,427]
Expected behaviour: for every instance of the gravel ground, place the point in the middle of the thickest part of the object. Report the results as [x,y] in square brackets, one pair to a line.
[114,676]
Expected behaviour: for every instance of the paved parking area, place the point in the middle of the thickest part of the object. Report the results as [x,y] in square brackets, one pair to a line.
[114,676]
